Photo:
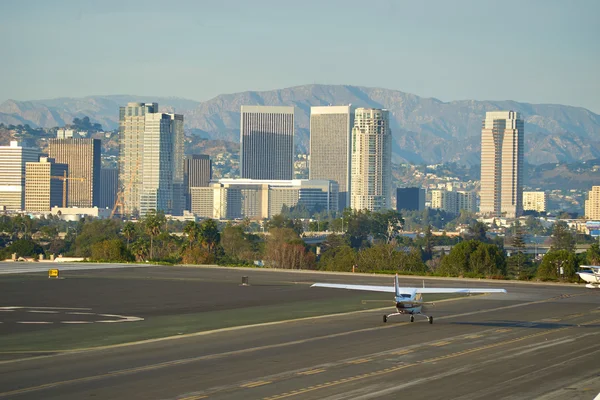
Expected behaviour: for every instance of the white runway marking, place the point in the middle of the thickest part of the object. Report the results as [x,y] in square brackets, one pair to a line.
[50,310]
[76,322]
[43,311]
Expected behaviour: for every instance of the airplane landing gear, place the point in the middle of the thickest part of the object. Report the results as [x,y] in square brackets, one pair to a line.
[384,318]
[430,319]
[412,318]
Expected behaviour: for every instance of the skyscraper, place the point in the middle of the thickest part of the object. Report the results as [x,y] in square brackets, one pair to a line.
[502,164]
[162,174]
[411,198]
[592,204]
[109,184]
[371,160]
[197,172]
[331,147]
[43,189]
[267,142]
[132,124]
[83,158]
[13,159]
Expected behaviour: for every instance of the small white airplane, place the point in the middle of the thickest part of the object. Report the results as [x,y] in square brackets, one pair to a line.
[409,300]
[590,274]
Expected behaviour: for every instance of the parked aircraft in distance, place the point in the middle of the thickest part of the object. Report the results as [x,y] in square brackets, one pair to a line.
[409,300]
[590,274]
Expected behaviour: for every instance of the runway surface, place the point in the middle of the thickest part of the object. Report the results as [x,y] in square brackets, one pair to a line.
[10,267]
[537,341]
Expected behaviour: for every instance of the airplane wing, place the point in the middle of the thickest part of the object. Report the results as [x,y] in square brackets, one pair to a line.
[459,290]
[386,289]
[392,289]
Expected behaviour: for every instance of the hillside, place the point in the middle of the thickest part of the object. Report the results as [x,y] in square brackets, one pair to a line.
[425,130]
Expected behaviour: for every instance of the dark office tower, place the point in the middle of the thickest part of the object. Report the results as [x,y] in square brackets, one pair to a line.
[412,199]
[109,183]
[267,142]
[331,147]
[197,173]
[83,158]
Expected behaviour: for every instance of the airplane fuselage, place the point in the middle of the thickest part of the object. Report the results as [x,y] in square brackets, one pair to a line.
[410,303]
[591,277]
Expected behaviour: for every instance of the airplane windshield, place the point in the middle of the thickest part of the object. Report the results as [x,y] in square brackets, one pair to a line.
[406,296]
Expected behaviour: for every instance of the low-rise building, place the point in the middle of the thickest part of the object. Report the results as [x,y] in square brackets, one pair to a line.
[259,199]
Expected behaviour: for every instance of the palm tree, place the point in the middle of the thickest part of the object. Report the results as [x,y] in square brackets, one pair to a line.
[209,233]
[192,230]
[153,225]
[129,232]
[140,250]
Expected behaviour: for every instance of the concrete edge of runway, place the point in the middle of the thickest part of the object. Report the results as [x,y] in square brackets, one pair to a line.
[371,275]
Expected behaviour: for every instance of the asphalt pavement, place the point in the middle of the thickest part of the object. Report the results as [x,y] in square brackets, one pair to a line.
[537,341]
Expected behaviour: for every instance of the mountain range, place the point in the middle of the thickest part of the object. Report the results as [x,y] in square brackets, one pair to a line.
[425,130]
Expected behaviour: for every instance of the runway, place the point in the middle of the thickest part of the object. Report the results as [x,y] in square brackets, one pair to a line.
[537,341]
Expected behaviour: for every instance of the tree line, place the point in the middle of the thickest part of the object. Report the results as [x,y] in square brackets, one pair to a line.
[363,242]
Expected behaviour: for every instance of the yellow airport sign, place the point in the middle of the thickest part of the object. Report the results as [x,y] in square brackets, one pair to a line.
[53,273]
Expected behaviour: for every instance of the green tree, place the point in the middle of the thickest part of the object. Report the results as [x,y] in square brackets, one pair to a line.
[153,224]
[339,258]
[192,231]
[209,235]
[129,232]
[111,250]
[553,261]
[562,237]
[140,250]
[593,255]
[89,232]
[237,244]
[478,231]
[518,260]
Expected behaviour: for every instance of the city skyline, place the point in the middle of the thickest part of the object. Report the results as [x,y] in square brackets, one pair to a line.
[555,28]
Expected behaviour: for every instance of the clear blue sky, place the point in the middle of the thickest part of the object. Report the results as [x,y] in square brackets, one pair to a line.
[535,51]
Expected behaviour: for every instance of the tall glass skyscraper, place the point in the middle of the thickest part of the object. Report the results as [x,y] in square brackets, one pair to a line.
[132,124]
[502,164]
[371,160]
[267,142]
[162,171]
[330,147]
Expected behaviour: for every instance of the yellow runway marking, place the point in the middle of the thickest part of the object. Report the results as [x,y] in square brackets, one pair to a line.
[402,352]
[439,344]
[185,361]
[359,361]
[473,336]
[503,330]
[397,368]
[550,320]
[198,397]
[255,384]
[312,371]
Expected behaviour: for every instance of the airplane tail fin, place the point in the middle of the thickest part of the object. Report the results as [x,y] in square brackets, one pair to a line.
[397,286]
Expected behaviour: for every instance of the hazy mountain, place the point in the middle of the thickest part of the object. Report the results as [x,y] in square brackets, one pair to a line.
[424,129]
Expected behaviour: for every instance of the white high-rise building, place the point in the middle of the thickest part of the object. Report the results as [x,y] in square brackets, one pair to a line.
[453,202]
[131,145]
[161,186]
[371,160]
[267,142]
[502,164]
[13,159]
[535,201]
[592,204]
[331,147]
